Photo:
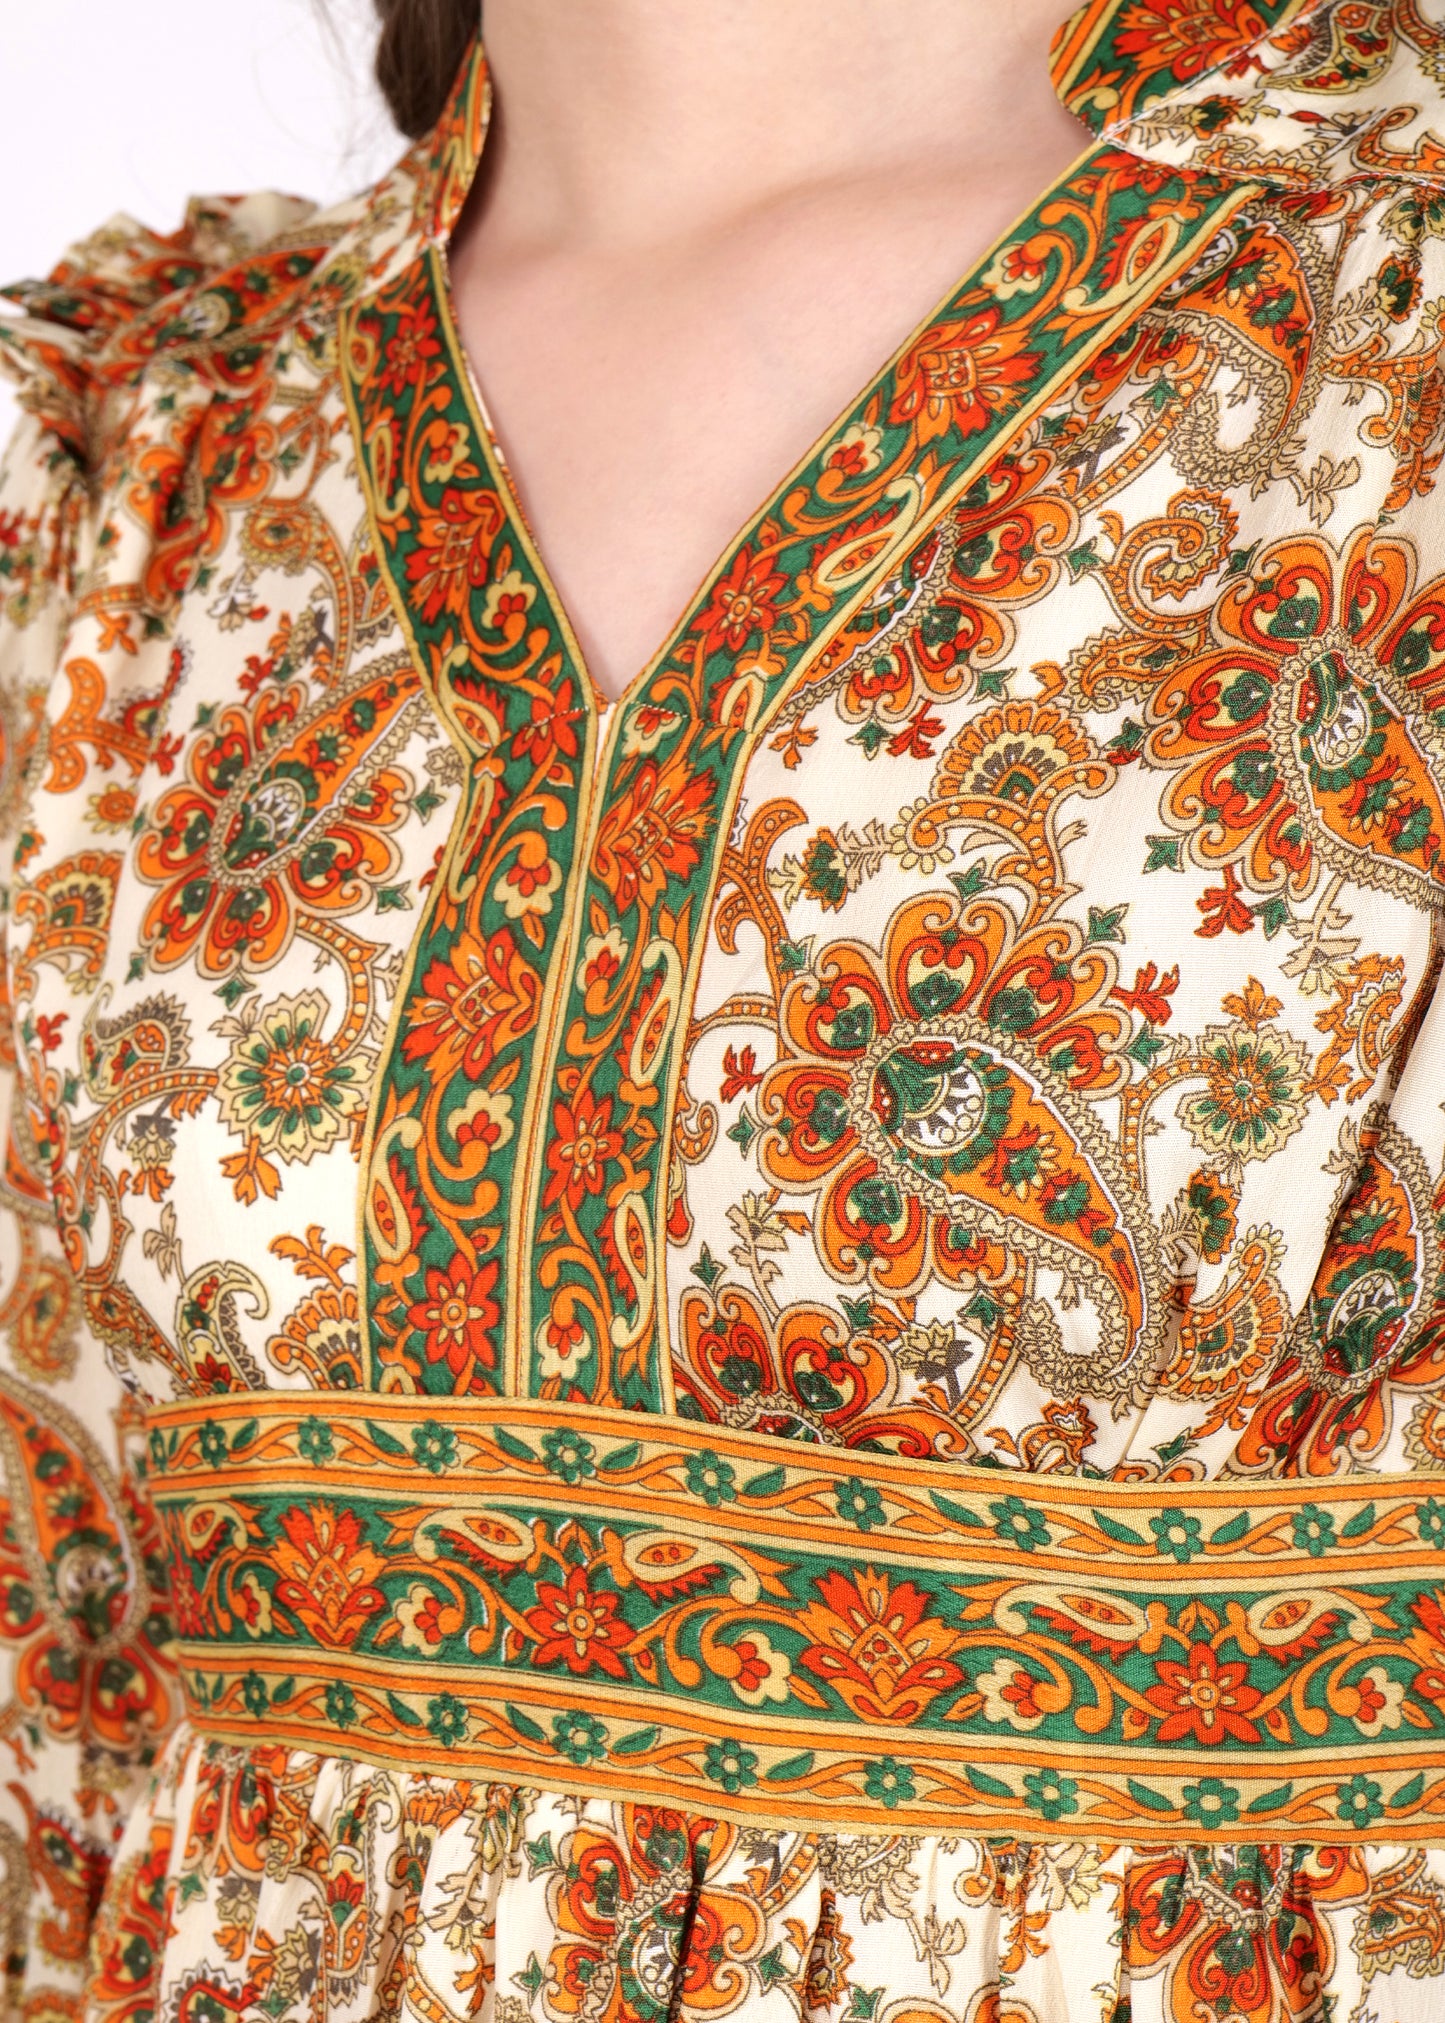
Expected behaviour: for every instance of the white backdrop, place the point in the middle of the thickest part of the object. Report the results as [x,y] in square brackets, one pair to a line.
[134,105]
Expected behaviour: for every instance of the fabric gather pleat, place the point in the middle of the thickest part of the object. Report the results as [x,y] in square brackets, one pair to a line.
[289,1885]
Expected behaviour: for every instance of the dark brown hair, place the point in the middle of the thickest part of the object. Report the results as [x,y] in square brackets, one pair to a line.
[421,48]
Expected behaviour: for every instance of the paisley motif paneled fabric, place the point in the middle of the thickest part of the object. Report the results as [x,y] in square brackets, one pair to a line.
[777,1351]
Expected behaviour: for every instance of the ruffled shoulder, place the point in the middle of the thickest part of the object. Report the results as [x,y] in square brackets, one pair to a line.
[1305,95]
[126,292]
[1113,59]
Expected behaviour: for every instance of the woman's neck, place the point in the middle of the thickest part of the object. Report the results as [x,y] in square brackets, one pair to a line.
[701,227]
[629,122]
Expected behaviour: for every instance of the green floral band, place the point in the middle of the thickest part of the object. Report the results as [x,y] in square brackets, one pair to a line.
[597,1601]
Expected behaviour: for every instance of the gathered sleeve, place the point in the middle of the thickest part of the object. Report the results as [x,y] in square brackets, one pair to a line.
[87,1693]
[1360,1383]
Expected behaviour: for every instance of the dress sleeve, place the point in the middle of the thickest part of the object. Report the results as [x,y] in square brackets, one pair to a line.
[86,1691]
[1359,1386]
[1361,1382]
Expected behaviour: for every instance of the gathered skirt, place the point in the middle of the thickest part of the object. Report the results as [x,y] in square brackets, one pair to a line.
[278,1883]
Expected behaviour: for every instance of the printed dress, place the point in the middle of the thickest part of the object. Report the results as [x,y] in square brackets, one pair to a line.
[779,1351]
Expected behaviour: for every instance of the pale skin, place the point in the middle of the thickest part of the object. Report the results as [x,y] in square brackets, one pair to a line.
[700,231]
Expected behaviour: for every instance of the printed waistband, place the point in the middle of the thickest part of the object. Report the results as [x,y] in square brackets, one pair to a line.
[595,1601]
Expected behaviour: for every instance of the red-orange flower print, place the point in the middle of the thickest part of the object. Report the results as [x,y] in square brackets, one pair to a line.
[328,1574]
[1185,37]
[452,560]
[744,603]
[583,1142]
[1427,1646]
[456,1316]
[551,727]
[879,1646]
[474,1001]
[577,1627]
[653,832]
[961,374]
[1202,1700]
[411,350]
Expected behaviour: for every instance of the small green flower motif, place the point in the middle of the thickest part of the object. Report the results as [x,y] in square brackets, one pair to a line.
[581,1738]
[727,1763]
[1431,1519]
[1018,1525]
[1050,1794]
[315,1442]
[280,1086]
[211,1440]
[568,1455]
[859,1503]
[256,1694]
[888,1782]
[1237,1953]
[446,1719]
[1211,1802]
[1178,1534]
[711,1478]
[664,1842]
[1314,1530]
[434,1446]
[1359,1802]
[158,1450]
[340,1704]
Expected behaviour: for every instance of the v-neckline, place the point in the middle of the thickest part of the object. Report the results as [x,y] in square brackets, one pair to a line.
[449,161]
[634,836]
[610,709]
[1081,32]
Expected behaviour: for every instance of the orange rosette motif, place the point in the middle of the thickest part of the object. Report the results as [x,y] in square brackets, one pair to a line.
[961,373]
[1239,1931]
[880,1645]
[931,1098]
[1307,732]
[328,1575]
[803,1374]
[285,809]
[1180,38]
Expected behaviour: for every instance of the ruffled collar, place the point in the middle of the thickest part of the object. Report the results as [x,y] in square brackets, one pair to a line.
[1306,94]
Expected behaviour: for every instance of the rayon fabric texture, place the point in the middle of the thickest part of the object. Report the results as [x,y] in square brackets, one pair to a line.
[777,1351]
